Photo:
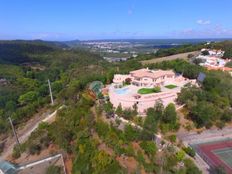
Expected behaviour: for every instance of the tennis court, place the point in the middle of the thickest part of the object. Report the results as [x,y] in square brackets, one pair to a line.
[218,153]
[225,155]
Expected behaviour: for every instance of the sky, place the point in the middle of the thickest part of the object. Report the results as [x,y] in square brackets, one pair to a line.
[115,19]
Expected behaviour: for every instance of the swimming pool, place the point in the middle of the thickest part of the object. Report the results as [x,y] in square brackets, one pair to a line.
[122,91]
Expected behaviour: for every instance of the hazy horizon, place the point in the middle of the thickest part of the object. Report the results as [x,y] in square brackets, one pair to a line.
[124,39]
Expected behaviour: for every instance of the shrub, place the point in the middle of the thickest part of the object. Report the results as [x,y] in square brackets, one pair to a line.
[34,149]
[180,155]
[172,138]
[189,151]
[149,147]
[16,152]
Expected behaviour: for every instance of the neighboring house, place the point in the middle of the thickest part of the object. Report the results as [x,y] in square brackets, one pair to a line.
[3,81]
[35,167]
[214,60]
[7,168]
[216,53]
[116,59]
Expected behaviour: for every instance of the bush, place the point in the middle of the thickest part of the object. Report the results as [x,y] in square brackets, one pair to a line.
[172,138]
[189,151]
[190,167]
[16,152]
[149,147]
[34,149]
[180,155]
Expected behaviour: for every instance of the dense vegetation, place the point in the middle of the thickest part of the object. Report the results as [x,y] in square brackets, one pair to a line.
[82,129]
[208,104]
[226,46]
[24,88]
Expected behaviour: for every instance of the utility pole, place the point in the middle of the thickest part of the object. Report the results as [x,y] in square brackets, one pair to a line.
[13,129]
[50,91]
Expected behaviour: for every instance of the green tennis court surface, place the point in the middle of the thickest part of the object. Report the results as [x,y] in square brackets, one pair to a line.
[225,155]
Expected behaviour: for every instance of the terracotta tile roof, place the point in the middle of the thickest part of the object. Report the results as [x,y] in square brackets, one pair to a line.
[151,73]
[219,68]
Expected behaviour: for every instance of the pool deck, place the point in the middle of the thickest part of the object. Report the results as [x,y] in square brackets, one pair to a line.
[128,95]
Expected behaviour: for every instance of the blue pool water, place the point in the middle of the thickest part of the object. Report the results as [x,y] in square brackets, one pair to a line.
[122,91]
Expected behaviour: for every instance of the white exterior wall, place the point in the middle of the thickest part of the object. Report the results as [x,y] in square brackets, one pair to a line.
[143,103]
[119,78]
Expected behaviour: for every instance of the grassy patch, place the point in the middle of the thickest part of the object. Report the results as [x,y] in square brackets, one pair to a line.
[149,90]
[170,86]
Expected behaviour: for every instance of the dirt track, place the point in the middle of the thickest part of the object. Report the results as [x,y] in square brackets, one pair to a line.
[25,131]
[173,57]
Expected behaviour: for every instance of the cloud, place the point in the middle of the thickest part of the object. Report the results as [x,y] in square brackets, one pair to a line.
[216,31]
[203,22]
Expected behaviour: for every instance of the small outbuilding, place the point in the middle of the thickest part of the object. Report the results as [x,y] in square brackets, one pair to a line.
[96,87]
[7,167]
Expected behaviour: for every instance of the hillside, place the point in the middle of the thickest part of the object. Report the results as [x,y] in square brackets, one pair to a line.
[25,67]
[19,51]
[93,140]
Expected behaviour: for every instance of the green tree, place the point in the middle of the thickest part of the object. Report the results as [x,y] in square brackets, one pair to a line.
[149,147]
[170,115]
[131,133]
[190,167]
[102,128]
[11,106]
[189,151]
[100,161]
[119,110]
[180,155]
[108,108]
[151,121]
[203,113]
[205,52]
[28,97]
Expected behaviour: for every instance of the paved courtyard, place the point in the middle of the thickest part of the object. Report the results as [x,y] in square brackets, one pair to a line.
[128,95]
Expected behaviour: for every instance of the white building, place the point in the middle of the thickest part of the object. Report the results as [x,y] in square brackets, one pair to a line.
[145,77]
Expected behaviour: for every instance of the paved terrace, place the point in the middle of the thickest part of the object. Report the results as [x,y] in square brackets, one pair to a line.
[128,95]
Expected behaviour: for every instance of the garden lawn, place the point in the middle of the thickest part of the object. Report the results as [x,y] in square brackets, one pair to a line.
[170,86]
[149,90]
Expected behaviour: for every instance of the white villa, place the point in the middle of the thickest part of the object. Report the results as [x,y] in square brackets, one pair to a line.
[125,88]
[214,60]
[145,77]
[216,53]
